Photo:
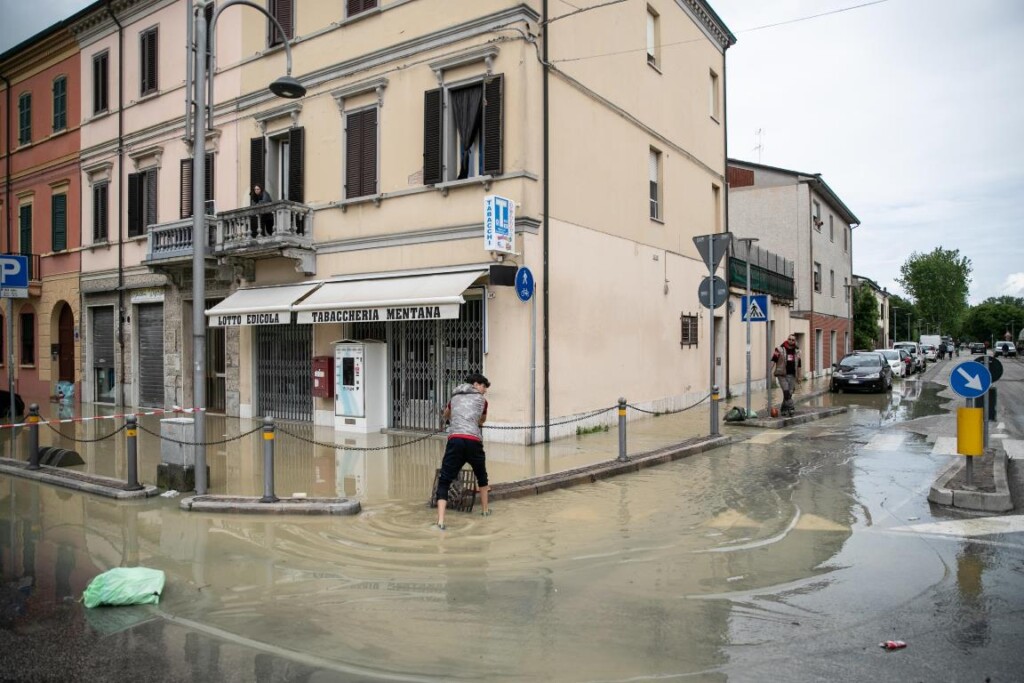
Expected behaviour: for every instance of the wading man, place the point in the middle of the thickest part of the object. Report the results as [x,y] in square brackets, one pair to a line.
[466,412]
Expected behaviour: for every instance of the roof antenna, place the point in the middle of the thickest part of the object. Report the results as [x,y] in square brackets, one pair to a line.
[759,147]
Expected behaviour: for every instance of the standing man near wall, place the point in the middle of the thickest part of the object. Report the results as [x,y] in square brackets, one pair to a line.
[787,362]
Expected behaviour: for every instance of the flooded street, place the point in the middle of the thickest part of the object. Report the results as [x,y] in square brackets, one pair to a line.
[788,555]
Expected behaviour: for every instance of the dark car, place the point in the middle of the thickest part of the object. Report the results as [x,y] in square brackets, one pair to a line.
[5,405]
[977,347]
[867,371]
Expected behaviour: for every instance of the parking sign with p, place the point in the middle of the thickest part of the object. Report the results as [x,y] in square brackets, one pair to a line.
[14,276]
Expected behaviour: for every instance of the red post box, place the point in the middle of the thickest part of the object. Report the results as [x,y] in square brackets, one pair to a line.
[323,376]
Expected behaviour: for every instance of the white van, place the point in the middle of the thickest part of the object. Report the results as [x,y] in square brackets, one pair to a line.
[914,349]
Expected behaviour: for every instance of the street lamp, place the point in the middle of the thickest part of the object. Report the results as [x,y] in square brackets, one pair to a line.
[749,242]
[286,87]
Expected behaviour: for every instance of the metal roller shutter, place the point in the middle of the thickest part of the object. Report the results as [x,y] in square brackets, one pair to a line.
[284,371]
[149,319]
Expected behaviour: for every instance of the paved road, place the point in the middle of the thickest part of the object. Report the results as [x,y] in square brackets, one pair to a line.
[787,556]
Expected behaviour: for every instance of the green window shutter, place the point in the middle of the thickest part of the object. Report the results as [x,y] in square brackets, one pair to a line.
[60,104]
[59,222]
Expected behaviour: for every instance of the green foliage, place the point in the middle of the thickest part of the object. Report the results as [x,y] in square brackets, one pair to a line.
[991,320]
[580,431]
[938,283]
[902,315]
[866,333]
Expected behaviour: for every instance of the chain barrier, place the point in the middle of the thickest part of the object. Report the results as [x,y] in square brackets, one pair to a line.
[670,412]
[337,446]
[201,443]
[71,438]
[570,420]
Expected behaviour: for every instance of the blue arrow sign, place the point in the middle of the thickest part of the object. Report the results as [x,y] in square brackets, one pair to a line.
[755,308]
[970,379]
[524,284]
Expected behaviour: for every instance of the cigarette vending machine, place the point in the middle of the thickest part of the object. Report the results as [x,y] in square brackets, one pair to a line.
[361,386]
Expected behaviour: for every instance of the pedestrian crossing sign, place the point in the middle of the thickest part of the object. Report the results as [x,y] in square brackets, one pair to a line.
[755,308]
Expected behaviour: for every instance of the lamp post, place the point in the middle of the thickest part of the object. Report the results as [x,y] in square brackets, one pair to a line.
[750,242]
[286,87]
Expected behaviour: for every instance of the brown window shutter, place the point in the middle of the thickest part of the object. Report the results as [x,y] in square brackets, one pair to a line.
[186,188]
[493,133]
[208,190]
[134,203]
[257,162]
[296,177]
[369,155]
[353,155]
[433,136]
[284,12]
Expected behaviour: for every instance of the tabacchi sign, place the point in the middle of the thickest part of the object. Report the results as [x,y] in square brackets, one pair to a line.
[499,224]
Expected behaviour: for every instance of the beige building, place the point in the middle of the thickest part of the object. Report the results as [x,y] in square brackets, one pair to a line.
[418,115]
[799,217]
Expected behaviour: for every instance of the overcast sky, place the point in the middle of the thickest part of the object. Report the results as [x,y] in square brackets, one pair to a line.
[912,111]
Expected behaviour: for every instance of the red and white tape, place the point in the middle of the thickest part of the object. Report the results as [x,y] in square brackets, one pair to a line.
[159,411]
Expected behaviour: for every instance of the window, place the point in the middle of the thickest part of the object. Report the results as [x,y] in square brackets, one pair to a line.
[463,131]
[284,12]
[25,119]
[846,239]
[361,153]
[354,7]
[652,37]
[59,222]
[816,218]
[831,228]
[60,103]
[654,182]
[846,290]
[277,164]
[817,276]
[716,197]
[141,201]
[25,241]
[28,338]
[832,282]
[186,187]
[148,73]
[100,211]
[100,82]
[688,336]
[715,103]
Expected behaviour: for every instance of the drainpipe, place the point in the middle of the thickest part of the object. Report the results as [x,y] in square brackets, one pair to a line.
[119,398]
[10,302]
[547,227]
[725,197]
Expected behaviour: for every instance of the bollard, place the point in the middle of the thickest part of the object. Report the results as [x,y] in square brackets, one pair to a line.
[132,431]
[622,430]
[268,461]
[33,421]
[714,410]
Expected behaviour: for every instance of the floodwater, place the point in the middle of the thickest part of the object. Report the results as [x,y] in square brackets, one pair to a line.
[729,565]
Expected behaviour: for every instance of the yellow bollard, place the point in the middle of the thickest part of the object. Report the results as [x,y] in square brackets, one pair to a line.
[970,431]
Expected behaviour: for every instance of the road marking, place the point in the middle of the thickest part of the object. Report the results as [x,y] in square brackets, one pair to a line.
[944,445]
[961,528]
[769,437]
[885,442]
[1014,448]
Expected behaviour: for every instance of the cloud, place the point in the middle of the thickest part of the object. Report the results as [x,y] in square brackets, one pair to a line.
[1013,285]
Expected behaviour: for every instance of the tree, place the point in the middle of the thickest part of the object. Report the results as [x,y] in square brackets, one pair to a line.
[901,315]
[938,283]
[866,332]
[994,318]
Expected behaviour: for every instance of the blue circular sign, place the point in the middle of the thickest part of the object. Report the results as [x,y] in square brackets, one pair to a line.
[524,284]
[970,379]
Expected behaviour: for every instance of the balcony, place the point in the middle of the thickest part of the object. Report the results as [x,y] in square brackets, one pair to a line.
[282,229]
[769,274]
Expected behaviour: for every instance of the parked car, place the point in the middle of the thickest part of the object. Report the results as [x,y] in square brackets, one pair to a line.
[895,360]
[5,405]
[1005,349]
[914,349]
[930,352]
[908,362]
[977,347]
[868,370]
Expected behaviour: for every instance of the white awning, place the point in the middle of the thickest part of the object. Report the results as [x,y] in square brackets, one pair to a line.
[388,299]
[259,306]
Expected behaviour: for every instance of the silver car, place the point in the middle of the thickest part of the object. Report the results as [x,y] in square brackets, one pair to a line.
[895,360]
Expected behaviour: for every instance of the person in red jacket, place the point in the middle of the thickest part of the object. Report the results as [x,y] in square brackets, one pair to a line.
[787,362]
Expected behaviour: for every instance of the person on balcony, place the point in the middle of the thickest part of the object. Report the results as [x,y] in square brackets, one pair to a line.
[264,223]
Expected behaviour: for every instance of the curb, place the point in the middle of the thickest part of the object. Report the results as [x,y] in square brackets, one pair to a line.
[284,506]
[999,501]
[801,418]
[604,470]
[77,481]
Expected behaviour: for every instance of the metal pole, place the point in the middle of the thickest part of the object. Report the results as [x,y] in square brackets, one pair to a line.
[984,405]
[133,453]
[969,472]
[533,365]
[268,461]
[768,377]
[33,420]
[714,410]
[622,430]
[199,249]
[10,368]
[711,329]
[750,241]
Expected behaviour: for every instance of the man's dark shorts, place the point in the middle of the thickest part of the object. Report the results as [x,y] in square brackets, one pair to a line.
[457,453]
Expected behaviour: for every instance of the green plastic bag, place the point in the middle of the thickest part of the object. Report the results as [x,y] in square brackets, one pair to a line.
[125,586]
